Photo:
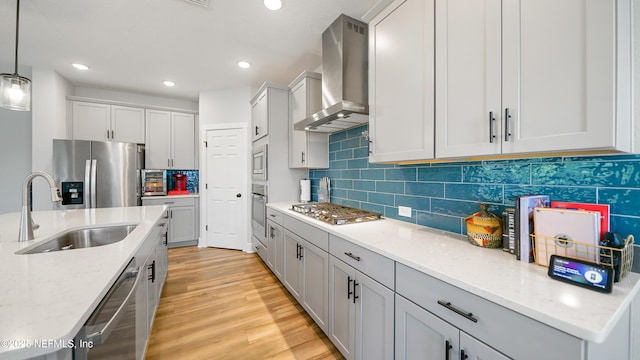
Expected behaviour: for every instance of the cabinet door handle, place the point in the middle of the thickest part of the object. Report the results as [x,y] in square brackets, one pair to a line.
[272,231]
[492,136]
[447,349]
[507,132]
[355,284]
[168,162]
[301,252]
[463,355]
[466,314]
[113,135]
[107,134]
[356,258]
[152,267]
[256,129]
[302,157]
[297,251]
[349,292]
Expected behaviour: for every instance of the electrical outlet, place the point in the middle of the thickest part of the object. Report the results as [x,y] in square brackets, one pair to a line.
[404,211]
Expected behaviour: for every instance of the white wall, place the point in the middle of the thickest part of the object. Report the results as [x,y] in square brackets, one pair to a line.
[225,106]
[49,121]
[135,98]
[15,151]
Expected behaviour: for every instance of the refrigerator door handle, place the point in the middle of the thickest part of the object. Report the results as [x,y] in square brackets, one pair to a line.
[87,183]
[94,169]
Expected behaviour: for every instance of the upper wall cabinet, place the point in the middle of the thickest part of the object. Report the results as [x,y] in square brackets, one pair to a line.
[104,122]
[532,76]
[307,150]
[265,105]
[401,82]
[170,141]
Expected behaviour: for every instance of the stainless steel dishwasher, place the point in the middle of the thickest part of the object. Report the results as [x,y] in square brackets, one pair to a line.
[110,331]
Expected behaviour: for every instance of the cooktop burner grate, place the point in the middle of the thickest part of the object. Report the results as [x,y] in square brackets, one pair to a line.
[335,214]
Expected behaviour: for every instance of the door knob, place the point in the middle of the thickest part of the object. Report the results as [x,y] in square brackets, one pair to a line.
[238,195]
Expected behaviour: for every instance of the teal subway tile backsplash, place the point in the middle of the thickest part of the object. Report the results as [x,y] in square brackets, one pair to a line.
[441,195]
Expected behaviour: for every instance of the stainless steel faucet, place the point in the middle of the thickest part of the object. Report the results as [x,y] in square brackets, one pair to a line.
[26,223]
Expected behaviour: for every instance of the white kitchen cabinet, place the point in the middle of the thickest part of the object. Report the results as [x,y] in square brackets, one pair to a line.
[307,150]
[401,82]
[361,308]
[275,219]
[104,122]
[292,265]
[152,261]
[421,335]
[506,84]
[275,250]
[306,276]
[183,216]
[483,320]
[269,103]
[170,140]
[259,116]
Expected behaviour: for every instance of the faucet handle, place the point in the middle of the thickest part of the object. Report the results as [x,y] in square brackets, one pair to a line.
[56,195]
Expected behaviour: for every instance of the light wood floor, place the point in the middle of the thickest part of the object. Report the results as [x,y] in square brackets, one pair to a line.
[226,304]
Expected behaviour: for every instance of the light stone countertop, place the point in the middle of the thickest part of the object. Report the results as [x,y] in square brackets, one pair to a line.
[490,273]
[192,195]
[49,296]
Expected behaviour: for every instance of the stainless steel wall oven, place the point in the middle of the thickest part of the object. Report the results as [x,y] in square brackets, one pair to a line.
[259,211]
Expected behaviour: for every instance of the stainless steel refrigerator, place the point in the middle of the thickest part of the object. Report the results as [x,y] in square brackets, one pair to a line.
[97,174]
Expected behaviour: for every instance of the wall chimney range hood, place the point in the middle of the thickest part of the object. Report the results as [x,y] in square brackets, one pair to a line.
[345,74]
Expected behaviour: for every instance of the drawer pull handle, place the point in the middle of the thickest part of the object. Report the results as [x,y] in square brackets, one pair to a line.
[467,315]
[356,258]
[272,215]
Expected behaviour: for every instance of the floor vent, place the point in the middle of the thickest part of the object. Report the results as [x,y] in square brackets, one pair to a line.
[203,3]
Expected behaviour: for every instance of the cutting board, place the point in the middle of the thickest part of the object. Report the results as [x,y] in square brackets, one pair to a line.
[553,227]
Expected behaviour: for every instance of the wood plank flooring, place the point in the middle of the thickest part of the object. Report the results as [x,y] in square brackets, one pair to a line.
[226,304]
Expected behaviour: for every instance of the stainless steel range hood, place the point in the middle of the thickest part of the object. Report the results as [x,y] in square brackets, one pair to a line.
[344,78]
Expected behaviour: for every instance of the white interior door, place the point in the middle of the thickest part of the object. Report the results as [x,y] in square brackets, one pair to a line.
[226,192]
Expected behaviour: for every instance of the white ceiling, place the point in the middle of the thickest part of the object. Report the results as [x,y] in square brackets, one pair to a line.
[133,45]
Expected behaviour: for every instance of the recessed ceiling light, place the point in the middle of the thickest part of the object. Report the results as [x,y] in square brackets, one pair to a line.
[273,4]
[244,64]
[80,66]
[169,83]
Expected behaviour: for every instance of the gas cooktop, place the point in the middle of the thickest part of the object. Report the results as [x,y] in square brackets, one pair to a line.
[335,214]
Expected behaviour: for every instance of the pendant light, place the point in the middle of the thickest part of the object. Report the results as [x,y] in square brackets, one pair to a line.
[15,90]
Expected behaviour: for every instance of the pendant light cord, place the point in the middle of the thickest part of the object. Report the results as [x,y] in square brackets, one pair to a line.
[17,27]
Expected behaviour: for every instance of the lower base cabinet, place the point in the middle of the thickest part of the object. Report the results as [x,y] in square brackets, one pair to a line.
[184,217]
[306,270]
[422,335]
[152,259]
[275,247]
[361,314]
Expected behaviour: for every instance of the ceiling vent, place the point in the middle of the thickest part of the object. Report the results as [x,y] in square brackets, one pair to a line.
[203,3]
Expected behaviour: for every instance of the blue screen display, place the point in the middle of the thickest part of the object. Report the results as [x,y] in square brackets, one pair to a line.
[580,273]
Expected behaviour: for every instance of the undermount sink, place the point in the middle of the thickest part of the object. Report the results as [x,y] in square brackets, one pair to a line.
[82,238]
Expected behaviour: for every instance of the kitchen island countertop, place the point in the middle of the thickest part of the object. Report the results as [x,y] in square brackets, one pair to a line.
[47,297]
[490,273]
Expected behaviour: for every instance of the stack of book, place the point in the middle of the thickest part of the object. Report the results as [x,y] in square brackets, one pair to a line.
[519,223]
